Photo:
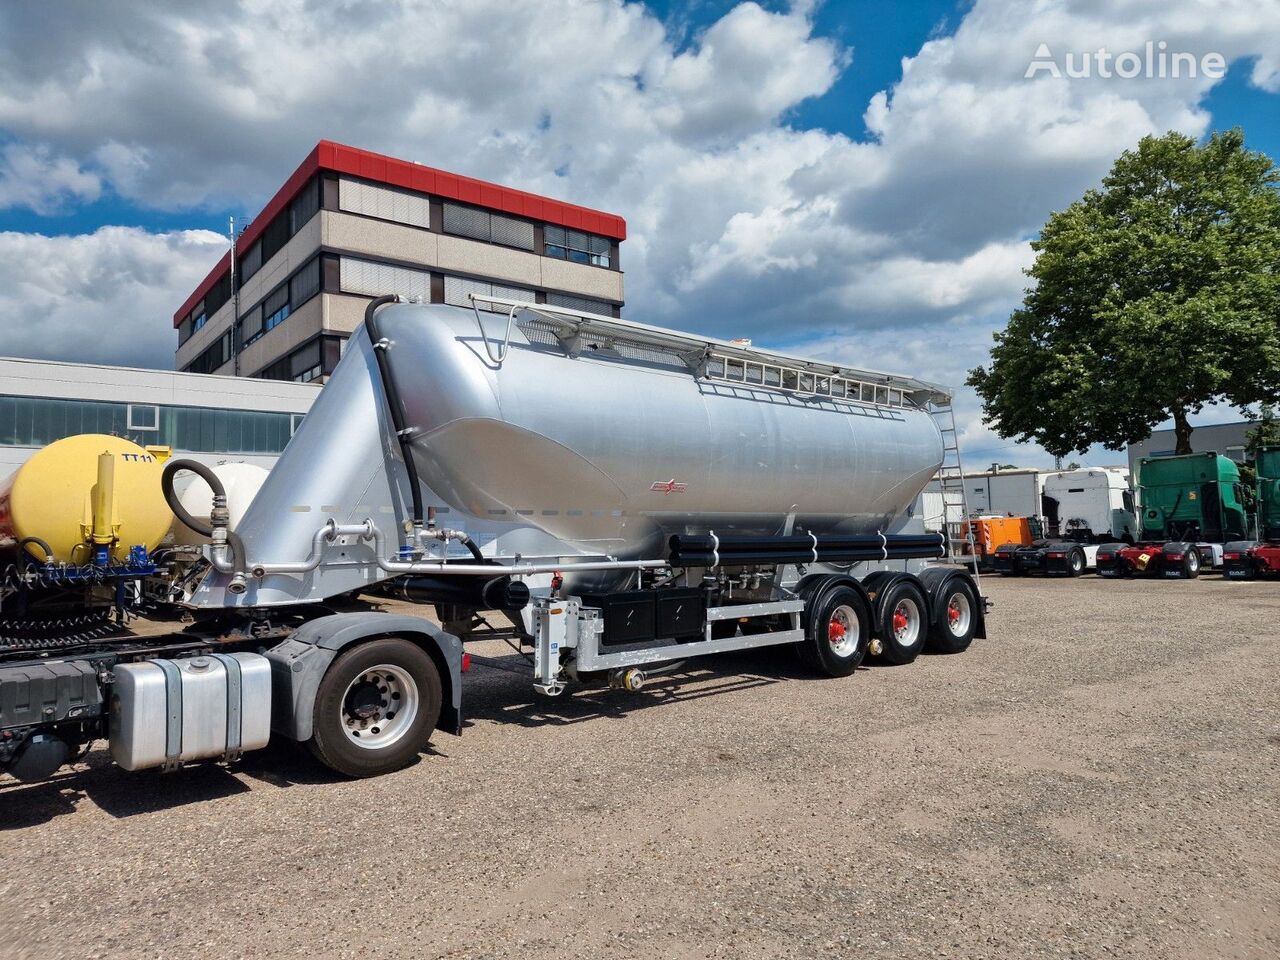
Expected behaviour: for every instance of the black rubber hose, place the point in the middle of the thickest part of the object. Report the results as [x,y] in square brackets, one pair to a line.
[171,470]
[470,544]
[394,405]
[36,542]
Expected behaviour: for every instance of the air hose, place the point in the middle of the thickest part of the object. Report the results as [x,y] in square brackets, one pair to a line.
[218,517]
[36,542]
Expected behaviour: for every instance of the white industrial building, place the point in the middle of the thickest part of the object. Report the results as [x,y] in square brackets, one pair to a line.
[208,418]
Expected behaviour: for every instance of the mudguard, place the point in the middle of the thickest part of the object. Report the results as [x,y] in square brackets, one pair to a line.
[298,664]
[935,580]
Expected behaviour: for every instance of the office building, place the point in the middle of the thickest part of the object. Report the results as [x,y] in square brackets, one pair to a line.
[350,225]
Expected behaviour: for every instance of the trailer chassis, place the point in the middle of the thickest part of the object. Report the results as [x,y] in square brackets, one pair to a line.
[1172,559]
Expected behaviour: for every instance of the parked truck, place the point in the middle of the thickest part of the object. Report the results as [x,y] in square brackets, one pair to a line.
[1250,559]
[615,498]
[1084,509]
[1190,506]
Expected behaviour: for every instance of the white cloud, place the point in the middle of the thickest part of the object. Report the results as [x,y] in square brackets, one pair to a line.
[739,224]
[106,297]
[32,177]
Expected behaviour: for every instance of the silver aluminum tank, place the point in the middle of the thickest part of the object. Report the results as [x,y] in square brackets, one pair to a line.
[617,447]
[547,454]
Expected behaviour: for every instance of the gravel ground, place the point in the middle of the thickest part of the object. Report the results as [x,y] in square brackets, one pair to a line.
[1098,779]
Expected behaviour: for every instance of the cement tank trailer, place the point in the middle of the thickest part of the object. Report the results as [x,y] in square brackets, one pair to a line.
[614,497]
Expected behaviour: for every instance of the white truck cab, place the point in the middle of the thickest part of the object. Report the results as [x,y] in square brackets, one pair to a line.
[1092,505]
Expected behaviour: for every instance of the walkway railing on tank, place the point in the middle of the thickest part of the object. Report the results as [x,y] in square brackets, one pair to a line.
[801,382]
[719,361]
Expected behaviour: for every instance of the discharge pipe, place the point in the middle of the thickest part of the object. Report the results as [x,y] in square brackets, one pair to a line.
[500,593]
[395,407]
[368,530]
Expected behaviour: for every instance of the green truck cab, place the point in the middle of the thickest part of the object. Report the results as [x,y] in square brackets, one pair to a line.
[1268,467]
[1195,497]
[1189,507]
[1249,559]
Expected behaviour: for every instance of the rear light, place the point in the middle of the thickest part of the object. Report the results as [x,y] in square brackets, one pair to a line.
[1231,556]
[466,662]
[1173,556]
[1055,556]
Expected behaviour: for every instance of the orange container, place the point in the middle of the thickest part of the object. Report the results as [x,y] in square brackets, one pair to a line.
[990,532]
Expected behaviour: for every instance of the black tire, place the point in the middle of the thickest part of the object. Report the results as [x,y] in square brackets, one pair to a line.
[840,608]
[1191,564]
[1075,563]
[955,618]
[345,700]
[902,621]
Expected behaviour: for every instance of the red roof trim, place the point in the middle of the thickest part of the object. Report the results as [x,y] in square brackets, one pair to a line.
[413,176]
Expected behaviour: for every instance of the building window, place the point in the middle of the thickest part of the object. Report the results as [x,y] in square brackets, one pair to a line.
[184,330]
[309,362]
[198,316]
[489,227]
[251,326]
[304,284]
[371,279]
[275,236]
[251,262]
[281,303]
[218,294]
[275,308]
[213,357]
[384,203]
[38,421]
[576,246]
[585,304]
[143,417]
[457,291]
[305,205]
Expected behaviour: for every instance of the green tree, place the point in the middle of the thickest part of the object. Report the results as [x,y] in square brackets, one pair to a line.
[1154,295]
[1265,434]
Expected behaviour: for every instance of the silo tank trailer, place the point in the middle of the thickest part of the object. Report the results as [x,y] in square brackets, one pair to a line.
[614,498]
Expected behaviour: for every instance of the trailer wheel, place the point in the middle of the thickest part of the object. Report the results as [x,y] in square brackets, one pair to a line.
[1075,563]
[375,708]
[956,619]
[836,632]
[904,624]
[1191,564]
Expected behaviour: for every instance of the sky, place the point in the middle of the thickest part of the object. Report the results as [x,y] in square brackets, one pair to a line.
[846,179]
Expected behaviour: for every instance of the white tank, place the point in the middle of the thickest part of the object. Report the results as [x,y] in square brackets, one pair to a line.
[242,482]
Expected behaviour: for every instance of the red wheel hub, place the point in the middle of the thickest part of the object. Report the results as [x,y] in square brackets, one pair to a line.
[899,621]
[835,631]
[953,614]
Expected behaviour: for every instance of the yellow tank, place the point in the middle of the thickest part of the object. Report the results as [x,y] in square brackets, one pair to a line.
[73,498]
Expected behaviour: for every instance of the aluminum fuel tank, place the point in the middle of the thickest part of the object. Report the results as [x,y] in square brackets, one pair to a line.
[612,443]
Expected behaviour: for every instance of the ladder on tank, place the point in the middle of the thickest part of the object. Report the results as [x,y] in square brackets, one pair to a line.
[950,476]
